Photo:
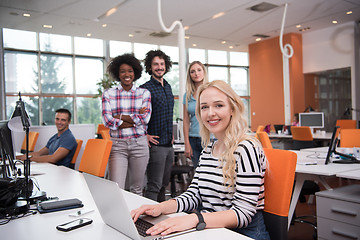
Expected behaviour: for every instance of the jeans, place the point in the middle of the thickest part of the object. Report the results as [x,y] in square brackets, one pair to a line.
[159,172]
[195,143]
[256,229]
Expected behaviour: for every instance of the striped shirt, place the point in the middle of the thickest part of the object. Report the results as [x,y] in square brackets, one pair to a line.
[207,186]
[116,101]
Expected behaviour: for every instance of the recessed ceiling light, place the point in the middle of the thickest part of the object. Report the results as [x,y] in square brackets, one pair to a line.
[220,14]
[194,45]
[231,47]
[88,35]
[334,22]
[47,26]
[111,11]
[104,25]
[298,26]
[223,42]
[186,28]
[26,14]
[258,39]
[131,35]
[349,12]
[187,37]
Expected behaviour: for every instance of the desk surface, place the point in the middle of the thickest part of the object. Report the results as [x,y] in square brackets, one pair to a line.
[316,136]
[65,183]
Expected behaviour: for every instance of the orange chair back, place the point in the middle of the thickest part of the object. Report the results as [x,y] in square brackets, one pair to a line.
[95,157]
[79,144]
[105,134]
[349,138]
[100,128]
[33,137]
[346,123]
[279,180]
[264,139]
[301,133]
[260,128]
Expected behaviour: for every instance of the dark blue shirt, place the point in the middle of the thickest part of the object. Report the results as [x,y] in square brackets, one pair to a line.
[65,140]
[162,103]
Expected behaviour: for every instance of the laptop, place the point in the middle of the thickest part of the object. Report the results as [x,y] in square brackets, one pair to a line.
[113,208]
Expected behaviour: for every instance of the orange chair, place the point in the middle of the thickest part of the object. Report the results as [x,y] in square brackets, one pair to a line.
[78,147]
[260,128]
[33,137]
[346,123]
[100,128]
[349,138]
[302,137]
[105,134]
[279,181]
[264,139]
[95,157]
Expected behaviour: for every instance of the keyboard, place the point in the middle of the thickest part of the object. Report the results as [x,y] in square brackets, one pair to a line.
[142,226]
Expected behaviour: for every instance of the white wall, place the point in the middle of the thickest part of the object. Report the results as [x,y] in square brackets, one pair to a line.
[80,131]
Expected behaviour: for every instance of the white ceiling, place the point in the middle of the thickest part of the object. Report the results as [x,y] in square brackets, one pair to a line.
[139,17]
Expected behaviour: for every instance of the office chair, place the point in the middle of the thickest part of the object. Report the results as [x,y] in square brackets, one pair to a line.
[279,181]
[105,134]
[264,139]
[78,147]
[349,138]
[178,170]
[346,123]
[260,128]
[302,137]
[100,128]
[33,137]
[95,157]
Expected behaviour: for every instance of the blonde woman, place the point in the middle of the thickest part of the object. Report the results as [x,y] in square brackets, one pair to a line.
[229,181]
[196,76]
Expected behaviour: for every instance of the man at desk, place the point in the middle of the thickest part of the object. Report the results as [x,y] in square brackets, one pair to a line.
[61,147]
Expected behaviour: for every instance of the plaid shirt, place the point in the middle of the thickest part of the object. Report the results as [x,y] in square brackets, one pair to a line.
[162,102]
[116,101]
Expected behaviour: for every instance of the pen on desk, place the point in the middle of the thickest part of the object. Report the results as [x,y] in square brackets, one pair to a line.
[311,164]
[175,234]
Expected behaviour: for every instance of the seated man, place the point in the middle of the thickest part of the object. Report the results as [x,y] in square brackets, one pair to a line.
[61,147]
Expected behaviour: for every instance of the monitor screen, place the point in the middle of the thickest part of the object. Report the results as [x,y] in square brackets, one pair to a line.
[6,138]
[332,145]
[312,119]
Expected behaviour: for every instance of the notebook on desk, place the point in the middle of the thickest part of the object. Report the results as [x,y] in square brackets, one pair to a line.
[113,208]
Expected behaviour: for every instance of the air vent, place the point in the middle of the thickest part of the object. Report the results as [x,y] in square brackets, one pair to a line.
[262,7]
[160,34]
[261,36]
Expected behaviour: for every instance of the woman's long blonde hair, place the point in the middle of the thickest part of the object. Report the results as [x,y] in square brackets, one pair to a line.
[190,85]
[234,133]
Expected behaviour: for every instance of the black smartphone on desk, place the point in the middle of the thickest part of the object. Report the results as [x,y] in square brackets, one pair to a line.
[65,227]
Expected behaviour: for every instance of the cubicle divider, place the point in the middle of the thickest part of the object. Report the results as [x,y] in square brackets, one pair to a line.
[80,131]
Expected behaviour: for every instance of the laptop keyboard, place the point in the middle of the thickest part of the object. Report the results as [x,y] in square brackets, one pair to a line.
[142,226]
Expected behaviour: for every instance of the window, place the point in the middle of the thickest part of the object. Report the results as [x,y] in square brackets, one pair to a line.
[88,73]
[55,43]
[118,48]
[15,39]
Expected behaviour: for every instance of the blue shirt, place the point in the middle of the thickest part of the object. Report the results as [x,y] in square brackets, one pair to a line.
[65,140]
[194,124]
[162,104]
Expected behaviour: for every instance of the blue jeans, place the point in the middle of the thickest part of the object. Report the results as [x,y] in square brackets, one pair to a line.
[256,229]
[195,143]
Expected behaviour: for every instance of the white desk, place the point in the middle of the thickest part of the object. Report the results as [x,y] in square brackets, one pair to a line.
[65,184]
[354,174]
[316,173]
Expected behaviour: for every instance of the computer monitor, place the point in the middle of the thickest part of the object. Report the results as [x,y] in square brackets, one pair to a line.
[312,119]
[5,134]
[176,132]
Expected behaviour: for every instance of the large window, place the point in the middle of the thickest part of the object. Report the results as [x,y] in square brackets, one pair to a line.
[56,71]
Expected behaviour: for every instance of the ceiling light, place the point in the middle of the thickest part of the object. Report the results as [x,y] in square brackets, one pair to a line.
[186,28]
[258,39]
[194,45]
[47,26]
[111,11]
[26,14]
[223,42]
[334,22]
[298,26]
[349,12]
[231,47]
[220,14]
[187,37]
[304,29]
[104,25]
[88,35]
[262,7]
[131,35]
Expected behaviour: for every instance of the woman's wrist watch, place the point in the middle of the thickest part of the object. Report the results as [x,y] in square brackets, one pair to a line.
[201,224]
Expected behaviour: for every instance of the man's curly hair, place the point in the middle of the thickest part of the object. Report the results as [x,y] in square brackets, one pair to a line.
[129,59]
[156,53]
